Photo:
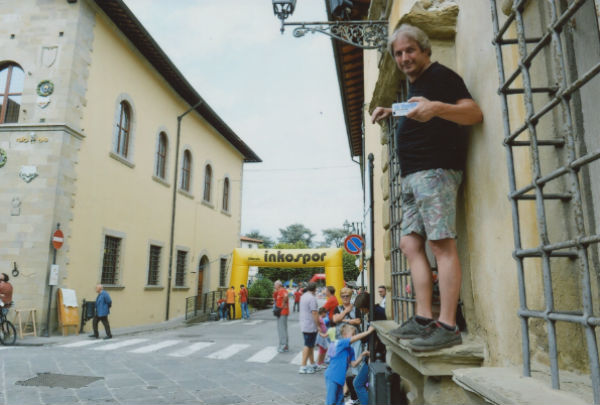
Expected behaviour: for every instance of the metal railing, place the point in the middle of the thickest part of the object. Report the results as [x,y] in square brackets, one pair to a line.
[561,102]
[202,304]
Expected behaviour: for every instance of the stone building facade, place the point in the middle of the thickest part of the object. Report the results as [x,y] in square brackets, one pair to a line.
[528,208]
[92,148]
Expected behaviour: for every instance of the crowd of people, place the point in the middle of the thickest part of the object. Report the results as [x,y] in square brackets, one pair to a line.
[334,336]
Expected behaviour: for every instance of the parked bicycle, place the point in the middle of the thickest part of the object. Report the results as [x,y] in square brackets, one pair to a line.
[8,332]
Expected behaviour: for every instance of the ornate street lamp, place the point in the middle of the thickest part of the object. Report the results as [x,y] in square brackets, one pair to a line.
[362,34]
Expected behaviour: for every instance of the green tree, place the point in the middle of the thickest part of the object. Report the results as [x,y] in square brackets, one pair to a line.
[260,293]
[296,233]
[334,236]
[255,234]
[351,272]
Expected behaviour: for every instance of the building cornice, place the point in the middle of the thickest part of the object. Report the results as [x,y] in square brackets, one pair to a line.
[41,127]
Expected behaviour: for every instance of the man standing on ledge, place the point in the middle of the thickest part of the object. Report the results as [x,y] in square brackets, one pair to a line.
[103,304]
[431,147]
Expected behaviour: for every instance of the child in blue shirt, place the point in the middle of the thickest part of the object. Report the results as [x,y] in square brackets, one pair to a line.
[341,355]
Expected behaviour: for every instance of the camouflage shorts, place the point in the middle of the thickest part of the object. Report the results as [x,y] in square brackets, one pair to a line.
[429,203]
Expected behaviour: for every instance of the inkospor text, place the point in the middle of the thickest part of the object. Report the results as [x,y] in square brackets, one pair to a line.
[290,258]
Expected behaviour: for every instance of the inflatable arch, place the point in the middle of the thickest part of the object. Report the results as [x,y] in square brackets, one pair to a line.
[330,259]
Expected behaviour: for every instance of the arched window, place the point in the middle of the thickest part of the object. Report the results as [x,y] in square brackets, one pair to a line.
[186,170]
[123,129]
[12,79]
[161,156]
[207,182]
[226,194]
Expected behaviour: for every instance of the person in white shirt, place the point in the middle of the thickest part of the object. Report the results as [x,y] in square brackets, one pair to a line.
[382,293]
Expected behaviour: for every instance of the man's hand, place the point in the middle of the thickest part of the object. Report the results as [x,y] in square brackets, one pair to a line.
[380,113]
[424,111]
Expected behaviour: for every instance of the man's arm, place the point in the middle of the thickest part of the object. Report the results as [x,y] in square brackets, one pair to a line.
[315,315]
[464,112]
[380,113]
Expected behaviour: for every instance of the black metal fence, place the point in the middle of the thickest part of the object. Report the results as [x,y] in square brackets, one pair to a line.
[202,304]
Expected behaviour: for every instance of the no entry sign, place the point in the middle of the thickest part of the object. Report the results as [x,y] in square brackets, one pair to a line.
[353,244]
[58,239]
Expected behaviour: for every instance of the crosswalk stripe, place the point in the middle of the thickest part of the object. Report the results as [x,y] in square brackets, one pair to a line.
[297,360]
[231,322]
[265,355]
[228,351]
[155,347]
[254,322]
[7,347]
[118,345]
[186,351]
[82,343]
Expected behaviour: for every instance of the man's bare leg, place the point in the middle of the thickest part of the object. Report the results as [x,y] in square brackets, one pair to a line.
[413,247]
[449,275]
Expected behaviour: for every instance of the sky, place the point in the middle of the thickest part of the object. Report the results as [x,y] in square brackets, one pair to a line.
[279,93]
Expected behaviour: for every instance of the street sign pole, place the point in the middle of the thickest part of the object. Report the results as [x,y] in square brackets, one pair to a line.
[57,241]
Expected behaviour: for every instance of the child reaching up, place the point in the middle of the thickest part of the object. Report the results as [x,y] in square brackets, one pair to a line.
[341,355]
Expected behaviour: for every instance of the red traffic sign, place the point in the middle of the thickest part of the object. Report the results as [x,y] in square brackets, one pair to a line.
[58,239]
[353,244]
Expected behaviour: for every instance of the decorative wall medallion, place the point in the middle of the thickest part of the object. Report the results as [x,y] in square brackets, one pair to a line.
[16,207]
[49,54]
[3,157]
[45,88]
[28,173]
[43,102]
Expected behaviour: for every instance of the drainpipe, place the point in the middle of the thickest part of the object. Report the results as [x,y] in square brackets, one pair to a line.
[174,205]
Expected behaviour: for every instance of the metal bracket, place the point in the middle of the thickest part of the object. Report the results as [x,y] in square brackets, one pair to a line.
[362,34]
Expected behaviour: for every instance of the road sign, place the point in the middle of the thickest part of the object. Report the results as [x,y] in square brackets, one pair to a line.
[57,239]
[353,244]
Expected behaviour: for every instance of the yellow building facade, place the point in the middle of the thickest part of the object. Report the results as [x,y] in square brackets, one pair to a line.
[106,167]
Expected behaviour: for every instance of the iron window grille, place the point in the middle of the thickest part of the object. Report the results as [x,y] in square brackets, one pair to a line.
[154,265]
[223,273]
[226,194]
[110,261]
[563,175]
[123,129]
[181,267]
[12,79]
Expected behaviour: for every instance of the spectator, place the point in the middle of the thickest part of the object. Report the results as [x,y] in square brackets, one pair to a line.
[341,356]
[282,303]
[297,295]
[309,325]
[222,306]
[103,304]
[382,294]
[231,303]
[331,303]
[244,301]
[322,339]
[6,293]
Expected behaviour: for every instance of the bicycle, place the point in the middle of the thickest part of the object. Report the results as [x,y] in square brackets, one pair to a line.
[8,332]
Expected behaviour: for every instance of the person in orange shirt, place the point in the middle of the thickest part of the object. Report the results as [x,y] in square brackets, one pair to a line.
[231,303]
[6,292]
[282,302]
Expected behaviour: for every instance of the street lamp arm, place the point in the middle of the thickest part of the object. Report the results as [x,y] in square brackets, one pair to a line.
[362,34]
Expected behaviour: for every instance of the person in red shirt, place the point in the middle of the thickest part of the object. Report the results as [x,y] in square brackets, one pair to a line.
[244,301]
[282,302]
[297,295]
[6,292]
[331,303]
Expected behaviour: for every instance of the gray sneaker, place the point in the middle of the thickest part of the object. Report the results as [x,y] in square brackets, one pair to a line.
[411,329]
[439,338]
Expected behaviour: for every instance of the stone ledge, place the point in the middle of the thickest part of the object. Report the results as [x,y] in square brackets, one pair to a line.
[41,127]
[436,363]
[506,385]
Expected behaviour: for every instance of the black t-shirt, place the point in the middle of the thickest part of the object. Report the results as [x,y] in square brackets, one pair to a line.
[437,143]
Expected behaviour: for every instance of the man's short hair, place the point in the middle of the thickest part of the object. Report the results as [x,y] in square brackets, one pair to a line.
[411,32]
[382,286]
[5,277]
[312,286]
[331,289]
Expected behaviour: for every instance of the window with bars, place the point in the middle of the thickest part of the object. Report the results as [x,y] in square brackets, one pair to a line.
[207,182]
[226,195]
[548,56]
[181,267]
[154,265]
[186,170]
[123,129]
[223,273]
[161,156]
[12,79]
[110,260]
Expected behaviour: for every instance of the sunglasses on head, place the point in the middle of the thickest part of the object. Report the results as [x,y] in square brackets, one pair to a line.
[345,296]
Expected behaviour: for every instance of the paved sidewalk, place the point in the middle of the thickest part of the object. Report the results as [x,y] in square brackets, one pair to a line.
[58,338]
